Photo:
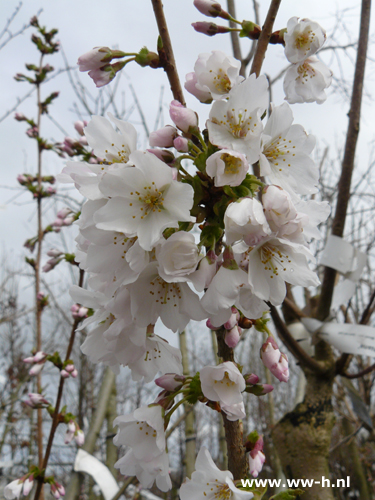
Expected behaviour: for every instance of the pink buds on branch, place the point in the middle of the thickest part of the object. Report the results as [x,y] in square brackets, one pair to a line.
[274,360]
[211,8]
[210,29]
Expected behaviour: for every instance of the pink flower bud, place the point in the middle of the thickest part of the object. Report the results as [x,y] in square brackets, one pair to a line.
[36,399]
[94,59]
[79,126]
[40,356]
[50,264]
[20,117]
[55,492]
[256,461]
[163,155]
[28,485]
[267,388]
[29,360]
[274,360]
[183,118]
[170,381]
[54,252]
[79,438]
[36,369]
[40,295]
[252,379]
[51,190]
[181,144]
[63,213]
[102,76]
[64,374]
[83,141]
[211,326]
[232,337]
[74,373]
[163,399]
[209,29]
[68,221]
[69,368]
[208,7]
[233,320]
[60,489]
[57,223]
[22,179]
[163,138]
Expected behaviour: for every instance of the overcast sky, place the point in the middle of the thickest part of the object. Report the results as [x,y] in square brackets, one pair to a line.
[129,25]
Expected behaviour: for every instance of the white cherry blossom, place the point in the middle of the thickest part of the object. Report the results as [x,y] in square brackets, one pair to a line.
[147,471]
[275,261]
[244,220]
[236,123]
[285,154]
[178,257]
[145,200]
[214,76]
[152,297]
[223,383]
[210,483]
[111,146]
[227,167]
[307,81]
[303,39]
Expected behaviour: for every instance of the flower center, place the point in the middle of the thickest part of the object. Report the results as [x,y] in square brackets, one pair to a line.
[225,380]
[146,429]
[277,150]
[218,491]
[232,164]
[305,71]
[150,200]
[239,123]
[121,156]
[165,293]
[222,82]
[273,259]
[304,40]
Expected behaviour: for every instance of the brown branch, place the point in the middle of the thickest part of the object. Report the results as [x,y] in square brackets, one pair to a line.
[294,346]
[360,374]
[264,37]
[237,463]
[56,414]
[349,155]
[166,54]
[292,306]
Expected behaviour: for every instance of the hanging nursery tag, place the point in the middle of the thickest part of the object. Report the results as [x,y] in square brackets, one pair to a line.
[349,338]
[338,254]
[103,477]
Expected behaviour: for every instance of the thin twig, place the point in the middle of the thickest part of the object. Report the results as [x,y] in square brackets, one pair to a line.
[294,346]
[56,414]
[166,54]
[264,37]
[349,155]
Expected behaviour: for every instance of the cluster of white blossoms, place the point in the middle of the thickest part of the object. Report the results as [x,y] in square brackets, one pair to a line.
[217,244]
[307,78]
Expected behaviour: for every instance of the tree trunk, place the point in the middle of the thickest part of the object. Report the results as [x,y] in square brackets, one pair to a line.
[303,437]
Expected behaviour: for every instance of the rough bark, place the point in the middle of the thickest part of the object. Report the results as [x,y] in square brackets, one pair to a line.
[303,436]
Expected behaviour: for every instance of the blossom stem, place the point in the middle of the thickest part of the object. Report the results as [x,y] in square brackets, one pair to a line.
[168,416]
